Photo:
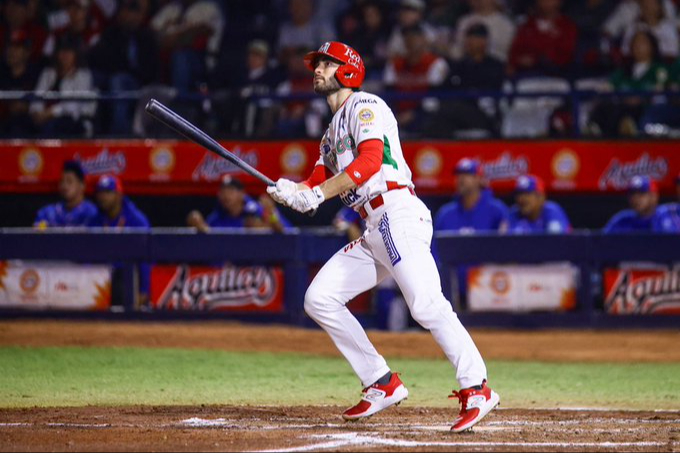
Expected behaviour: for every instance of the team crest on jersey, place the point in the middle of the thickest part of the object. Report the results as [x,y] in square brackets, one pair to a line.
[366,115]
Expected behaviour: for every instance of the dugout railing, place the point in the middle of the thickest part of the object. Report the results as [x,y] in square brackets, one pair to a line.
[299,252]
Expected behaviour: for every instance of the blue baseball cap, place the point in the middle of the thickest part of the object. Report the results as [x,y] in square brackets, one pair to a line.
[642,184]
[109,183]
[528,184]
[468,166]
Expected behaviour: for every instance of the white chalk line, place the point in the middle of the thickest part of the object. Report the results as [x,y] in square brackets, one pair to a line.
[354,439]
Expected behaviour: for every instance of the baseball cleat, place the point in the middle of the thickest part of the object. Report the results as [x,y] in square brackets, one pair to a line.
[475,404]
[376,398]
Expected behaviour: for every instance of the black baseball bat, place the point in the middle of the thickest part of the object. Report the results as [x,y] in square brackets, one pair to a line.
[175,121]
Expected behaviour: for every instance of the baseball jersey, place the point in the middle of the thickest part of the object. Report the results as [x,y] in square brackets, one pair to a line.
[129,217]
[220,218]
[364,116]
[664,220]
[488,214]
[58,215]
[553,219]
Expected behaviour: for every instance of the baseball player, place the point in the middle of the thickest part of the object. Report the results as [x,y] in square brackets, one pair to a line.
[74,209]
[532,213]
[362,162]
[644,214]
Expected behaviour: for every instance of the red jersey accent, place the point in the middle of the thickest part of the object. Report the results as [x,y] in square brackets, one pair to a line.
[319,175]
[368,163]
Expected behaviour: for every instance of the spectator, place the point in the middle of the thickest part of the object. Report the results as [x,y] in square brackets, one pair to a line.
[302,30]
[80,26]
[67,76]
[118,212]
[627,12]
[235,209]
[474,208]
[411,14]
[532,213]
[545,43]
[500,27]
[17,18]
[370,36]
[73,210]
[17,73]
[126,58]
[674,208]
[653,19]
[417,72]
[255,117]
[643,73]
[190,35]
[299,118]
[594,51]
[101,14]
[645,214]
[476,70]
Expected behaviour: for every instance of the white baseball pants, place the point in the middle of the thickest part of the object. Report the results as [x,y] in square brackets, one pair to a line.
[397,243]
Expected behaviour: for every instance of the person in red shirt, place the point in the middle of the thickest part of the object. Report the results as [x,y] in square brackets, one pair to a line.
[419,71]
[545,43]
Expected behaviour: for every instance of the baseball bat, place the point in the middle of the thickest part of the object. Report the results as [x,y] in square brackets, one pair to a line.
[175,121]
[196,135]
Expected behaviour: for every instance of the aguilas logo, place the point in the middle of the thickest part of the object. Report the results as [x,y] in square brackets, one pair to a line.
[646,294]
[230,286]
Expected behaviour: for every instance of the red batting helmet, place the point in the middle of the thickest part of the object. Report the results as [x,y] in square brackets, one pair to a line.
[351,73]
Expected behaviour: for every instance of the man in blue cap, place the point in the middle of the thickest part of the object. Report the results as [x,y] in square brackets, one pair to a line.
[532,213]
[73,209]
[118,212]
[645,214]
[474,208]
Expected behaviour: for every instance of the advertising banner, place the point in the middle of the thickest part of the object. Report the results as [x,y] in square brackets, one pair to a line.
[633,291]
[213,288]
[515,288]
[177,167]
[53,285]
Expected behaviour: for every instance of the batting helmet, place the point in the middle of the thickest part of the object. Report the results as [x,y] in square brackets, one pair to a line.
[351,73]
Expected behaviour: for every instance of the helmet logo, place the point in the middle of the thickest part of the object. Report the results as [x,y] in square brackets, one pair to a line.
[325,47]
[353,58]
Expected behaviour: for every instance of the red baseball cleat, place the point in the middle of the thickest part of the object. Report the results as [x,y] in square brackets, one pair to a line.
[376,398]
[476,403]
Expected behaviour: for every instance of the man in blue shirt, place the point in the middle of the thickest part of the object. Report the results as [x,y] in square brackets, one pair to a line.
[116,211]
[645,214]
[474,209]
[235,209]
[74,209]
[532,213]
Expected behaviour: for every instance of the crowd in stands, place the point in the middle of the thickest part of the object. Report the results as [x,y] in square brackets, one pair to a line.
[422,53]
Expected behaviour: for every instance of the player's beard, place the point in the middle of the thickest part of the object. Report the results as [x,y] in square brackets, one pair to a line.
[327,87]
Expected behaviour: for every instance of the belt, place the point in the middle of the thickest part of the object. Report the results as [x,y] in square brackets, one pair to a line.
[378,201]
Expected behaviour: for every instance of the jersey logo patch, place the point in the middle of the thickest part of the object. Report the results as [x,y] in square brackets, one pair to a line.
[366,115]
[392,252]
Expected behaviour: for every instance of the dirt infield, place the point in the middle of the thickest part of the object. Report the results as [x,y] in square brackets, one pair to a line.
[249,428]
[553,346]
[320,429]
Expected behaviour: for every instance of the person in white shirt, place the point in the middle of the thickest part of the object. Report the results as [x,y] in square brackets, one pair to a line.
[501,28]
[63,118]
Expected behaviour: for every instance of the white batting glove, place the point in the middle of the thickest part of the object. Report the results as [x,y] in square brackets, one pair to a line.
[282,191]
[307,200]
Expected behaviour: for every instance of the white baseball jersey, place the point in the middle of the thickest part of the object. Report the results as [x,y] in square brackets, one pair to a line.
[362,117]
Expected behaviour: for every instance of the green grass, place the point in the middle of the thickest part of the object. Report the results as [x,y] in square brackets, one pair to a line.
[126,376]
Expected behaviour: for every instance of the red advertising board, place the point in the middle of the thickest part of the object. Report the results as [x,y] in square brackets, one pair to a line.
[642,291]
[226,288]
[176,167]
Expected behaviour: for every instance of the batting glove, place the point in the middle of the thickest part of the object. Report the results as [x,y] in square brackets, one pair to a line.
[307,200]
[283,191]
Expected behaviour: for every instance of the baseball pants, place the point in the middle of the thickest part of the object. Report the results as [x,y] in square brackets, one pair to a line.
[397,243]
